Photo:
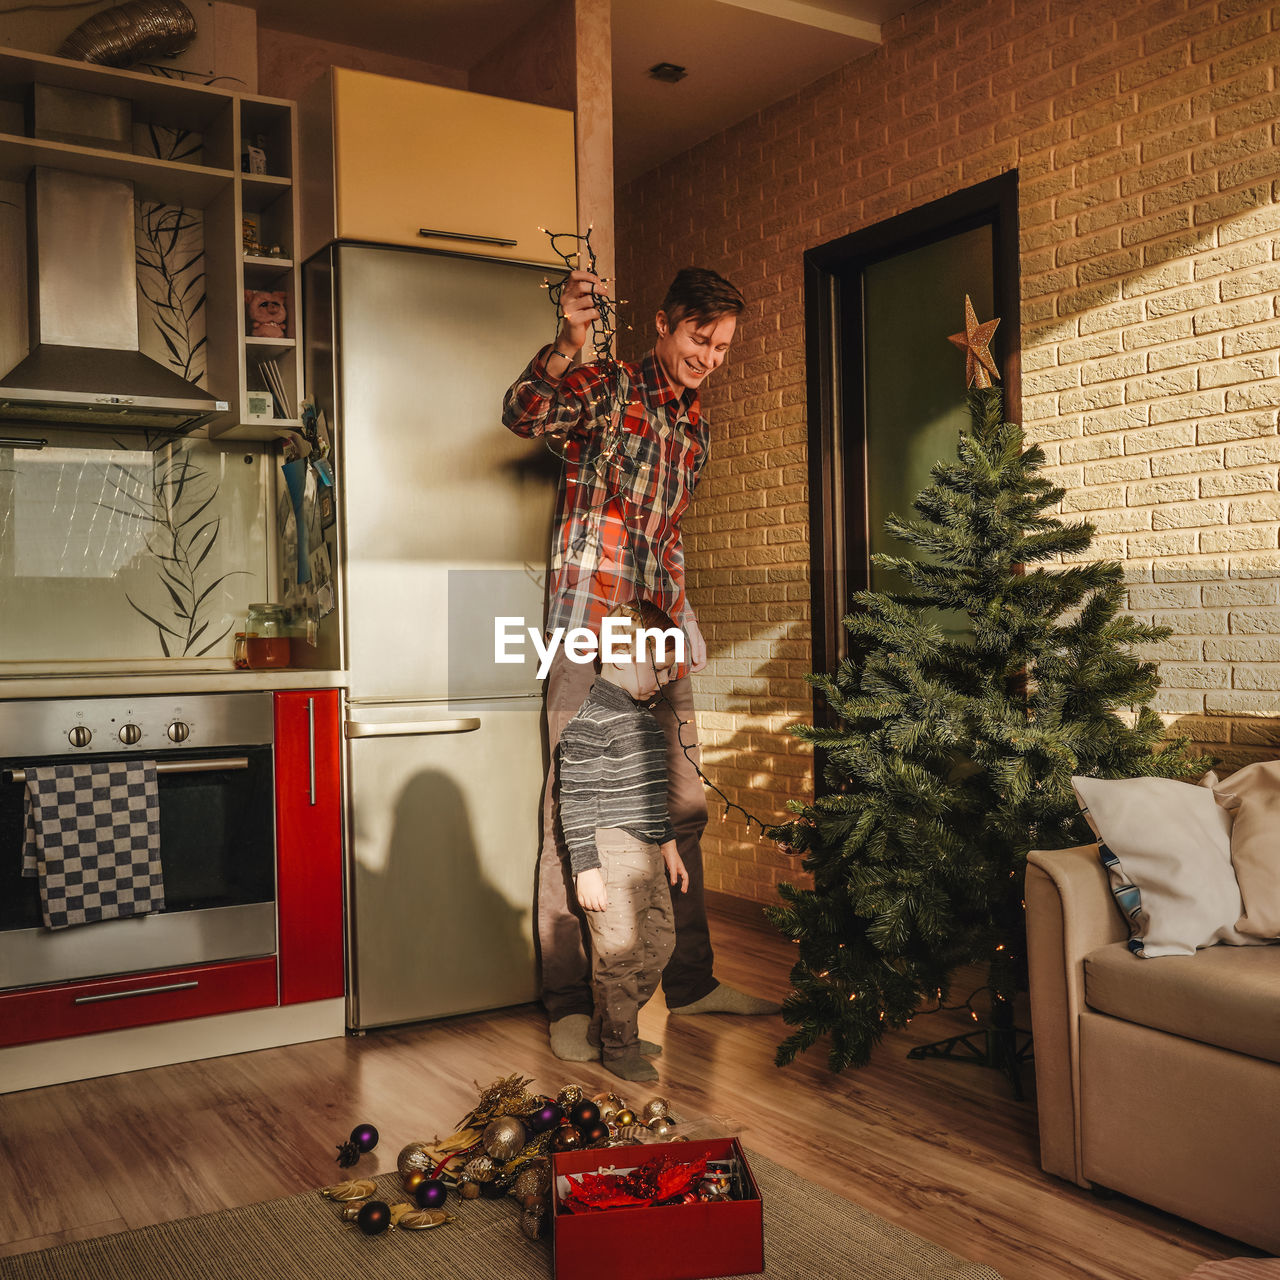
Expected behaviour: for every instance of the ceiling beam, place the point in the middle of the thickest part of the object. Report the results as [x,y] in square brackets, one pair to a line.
[811,15]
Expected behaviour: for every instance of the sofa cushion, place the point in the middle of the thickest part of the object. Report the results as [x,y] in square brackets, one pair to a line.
[1224,996]
[1253,796]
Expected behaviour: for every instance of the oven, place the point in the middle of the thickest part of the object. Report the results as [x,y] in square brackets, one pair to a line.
[215,774]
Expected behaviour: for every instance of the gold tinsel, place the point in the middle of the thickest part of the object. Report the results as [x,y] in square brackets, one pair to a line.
[505,1097]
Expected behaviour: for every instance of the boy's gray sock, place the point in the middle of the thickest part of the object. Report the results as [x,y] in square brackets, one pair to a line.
[646,1047]
[630,1065]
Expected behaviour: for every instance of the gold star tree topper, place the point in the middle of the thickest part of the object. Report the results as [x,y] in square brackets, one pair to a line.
[975,342]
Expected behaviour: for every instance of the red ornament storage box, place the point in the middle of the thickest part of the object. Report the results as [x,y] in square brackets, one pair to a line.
[657,1242]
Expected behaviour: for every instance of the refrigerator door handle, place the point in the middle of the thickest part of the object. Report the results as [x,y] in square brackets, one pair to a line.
[407,728]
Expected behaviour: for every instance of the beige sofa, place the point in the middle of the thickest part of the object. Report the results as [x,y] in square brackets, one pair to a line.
[1158,1078]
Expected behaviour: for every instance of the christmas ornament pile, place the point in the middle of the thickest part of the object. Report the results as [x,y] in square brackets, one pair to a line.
[503,1145]
[371,1216]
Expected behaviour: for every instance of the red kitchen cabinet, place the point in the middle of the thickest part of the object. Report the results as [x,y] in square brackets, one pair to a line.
[309,844]
[136,1000]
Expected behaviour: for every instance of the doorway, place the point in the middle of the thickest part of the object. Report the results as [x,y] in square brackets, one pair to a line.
[886,389]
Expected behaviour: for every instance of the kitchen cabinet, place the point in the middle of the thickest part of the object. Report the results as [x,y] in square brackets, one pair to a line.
[135,1000]
[309,844]
[208,126]
[307,967]
[402,163]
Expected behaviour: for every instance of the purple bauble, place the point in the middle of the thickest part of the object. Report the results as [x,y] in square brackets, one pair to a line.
[365,1136]
[431,1194]
[547,1118]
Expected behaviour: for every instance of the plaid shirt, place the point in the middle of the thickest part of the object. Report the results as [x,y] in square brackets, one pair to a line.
[623,488]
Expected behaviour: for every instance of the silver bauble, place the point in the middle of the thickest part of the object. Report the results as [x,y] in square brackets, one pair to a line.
[504,1137]
[416,1156]
[610,1104]
[655,1109]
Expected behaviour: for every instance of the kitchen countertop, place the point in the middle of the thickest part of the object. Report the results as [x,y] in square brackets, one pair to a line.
[119,684]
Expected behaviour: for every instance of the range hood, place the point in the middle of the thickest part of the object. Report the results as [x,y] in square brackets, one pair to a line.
[85,368]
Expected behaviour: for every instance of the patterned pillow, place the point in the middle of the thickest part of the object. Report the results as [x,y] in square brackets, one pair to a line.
[1166,846]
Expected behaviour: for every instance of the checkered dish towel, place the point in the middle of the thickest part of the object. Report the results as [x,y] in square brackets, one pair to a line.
[93,837]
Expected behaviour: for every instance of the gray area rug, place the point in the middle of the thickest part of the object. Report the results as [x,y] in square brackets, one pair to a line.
[809,1234]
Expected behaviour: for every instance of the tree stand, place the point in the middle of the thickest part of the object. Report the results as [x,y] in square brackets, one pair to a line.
[999,1044]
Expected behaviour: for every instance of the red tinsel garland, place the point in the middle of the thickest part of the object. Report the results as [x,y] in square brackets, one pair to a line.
[663,1178]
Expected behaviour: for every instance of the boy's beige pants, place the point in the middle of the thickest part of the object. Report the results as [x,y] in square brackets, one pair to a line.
[631,939]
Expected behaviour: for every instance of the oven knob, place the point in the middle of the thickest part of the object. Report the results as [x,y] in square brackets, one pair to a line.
[130,734]
[80,736]
[179,732]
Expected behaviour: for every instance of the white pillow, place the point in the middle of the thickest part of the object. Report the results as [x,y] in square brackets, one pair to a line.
[1167,849]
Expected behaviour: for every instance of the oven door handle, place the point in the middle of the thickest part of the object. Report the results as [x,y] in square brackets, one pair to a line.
[163,766]
[402,728]
[135,991]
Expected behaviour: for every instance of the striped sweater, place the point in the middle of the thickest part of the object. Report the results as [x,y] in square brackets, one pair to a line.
[613,773]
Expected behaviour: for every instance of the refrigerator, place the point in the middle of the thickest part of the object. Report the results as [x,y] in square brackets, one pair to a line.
[443,524]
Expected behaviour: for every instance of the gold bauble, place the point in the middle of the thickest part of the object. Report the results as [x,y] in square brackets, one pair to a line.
[414,1179]
[416,1155]
[661,1126]
[624,1118]
[351,1210]
[469,1190]
[480,1169]
[570,1094]
[655,1109]
[504,1137]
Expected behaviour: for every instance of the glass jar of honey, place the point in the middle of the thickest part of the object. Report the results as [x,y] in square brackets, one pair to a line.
[266,639]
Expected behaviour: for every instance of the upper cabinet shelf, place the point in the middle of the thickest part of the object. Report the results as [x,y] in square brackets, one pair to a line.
[247,221]
[176,104]
[165,181]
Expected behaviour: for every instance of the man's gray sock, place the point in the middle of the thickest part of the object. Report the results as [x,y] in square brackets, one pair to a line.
[569,1039]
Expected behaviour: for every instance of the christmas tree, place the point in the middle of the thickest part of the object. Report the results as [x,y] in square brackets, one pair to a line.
[953,749]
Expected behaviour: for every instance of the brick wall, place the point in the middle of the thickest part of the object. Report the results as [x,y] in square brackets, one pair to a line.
[1144,135]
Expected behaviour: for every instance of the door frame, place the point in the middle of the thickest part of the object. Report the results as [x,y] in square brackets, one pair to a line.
[838,533]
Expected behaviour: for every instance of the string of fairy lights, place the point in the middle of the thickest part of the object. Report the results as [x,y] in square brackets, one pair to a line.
[577,253]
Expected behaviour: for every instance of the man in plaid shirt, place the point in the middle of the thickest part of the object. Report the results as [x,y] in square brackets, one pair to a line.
[633,440]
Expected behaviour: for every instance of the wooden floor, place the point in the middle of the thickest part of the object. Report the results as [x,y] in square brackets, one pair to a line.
[936,1147]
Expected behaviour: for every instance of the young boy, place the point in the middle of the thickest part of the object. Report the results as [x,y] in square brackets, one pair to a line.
[613,807]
